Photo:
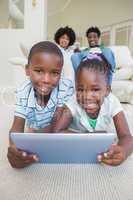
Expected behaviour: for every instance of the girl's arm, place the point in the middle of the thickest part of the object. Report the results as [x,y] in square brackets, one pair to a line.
[61,120]
[119,152]
[123,133]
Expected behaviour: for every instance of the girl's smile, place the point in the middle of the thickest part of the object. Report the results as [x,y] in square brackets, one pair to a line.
[91,89]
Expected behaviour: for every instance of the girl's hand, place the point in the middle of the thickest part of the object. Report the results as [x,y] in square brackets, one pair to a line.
[115,156]
[20,159]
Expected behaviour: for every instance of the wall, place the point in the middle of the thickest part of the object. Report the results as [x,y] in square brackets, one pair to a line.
[4,13]
[81,14]
[34,30]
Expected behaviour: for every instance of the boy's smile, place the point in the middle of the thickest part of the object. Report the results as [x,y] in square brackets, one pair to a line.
[91,89]
[44,71]
[93,39]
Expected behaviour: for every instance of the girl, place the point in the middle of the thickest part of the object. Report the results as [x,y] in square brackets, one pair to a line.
[93,108]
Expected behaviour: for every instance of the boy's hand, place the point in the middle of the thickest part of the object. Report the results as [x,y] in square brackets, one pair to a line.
[115,156]
[20,159]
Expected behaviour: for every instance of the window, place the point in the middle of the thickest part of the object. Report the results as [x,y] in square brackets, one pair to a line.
[12,14]
[123,35]
[105,38]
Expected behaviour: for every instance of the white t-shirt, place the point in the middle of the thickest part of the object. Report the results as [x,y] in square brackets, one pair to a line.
[110,107]
[67,70]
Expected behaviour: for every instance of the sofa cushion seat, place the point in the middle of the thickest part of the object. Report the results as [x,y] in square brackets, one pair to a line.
[123,89]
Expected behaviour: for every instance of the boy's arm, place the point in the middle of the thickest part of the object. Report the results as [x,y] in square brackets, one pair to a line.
[61,121]
[18,158]
[18,124]
[49,129]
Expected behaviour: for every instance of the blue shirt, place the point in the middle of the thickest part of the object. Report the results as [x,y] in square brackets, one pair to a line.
[35,115]
[108,54]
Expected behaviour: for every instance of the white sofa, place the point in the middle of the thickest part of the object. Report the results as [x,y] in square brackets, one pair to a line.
[122,85]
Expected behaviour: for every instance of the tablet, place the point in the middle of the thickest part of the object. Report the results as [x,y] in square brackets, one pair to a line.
[64,148]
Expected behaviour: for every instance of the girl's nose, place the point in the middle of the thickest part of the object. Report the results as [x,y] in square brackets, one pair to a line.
[89,95]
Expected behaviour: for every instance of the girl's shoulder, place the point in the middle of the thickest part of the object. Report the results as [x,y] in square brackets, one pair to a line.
[111,99]
[112,104]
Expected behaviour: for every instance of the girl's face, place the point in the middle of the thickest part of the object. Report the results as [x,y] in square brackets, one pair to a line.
[64,41]
[93,39]
[44,71]
[91,88]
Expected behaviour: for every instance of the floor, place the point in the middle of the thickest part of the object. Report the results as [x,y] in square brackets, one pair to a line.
[39,182]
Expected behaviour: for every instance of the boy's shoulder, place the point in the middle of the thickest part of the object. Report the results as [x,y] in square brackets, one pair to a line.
[65,90]
[65,84]
[24,89]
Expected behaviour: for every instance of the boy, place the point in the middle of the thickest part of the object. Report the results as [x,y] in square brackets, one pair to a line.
[40,99]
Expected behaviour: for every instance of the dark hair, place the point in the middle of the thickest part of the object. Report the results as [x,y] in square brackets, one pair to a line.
[47,47]
[68,31]
[94,65]
[93,29]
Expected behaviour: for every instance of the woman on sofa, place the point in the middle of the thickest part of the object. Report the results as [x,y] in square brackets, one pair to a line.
[65,38]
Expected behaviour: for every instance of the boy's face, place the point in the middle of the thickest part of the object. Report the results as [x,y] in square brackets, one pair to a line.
[91,88]
[64,41]
[44,71]
[93,39]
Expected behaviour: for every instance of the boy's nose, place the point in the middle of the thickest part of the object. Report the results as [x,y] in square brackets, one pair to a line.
[45,78]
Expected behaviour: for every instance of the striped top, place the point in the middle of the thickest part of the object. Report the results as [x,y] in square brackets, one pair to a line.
[35,115]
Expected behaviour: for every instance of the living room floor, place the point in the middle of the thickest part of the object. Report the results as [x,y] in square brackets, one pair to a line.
[7,112]
[128,109]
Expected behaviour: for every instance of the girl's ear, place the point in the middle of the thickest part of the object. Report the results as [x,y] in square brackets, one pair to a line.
[27,70]
[108,89]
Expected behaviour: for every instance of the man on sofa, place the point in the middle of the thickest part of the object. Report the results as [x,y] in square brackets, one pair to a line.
[93,35]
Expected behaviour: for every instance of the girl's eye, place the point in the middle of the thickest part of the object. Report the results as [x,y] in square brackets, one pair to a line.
[96,89]
[80,89]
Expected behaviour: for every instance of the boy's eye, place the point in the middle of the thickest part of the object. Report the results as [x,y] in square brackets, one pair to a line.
[55,73]
[38,70]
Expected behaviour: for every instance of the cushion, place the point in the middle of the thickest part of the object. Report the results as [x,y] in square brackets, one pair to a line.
[123,90]
[18,61]
[122,56]
[123,74]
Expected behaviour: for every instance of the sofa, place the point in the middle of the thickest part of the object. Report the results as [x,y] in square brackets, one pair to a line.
[122,85]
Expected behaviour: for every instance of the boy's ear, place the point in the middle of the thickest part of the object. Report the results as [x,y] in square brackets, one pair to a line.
[108,89]
[27,70]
